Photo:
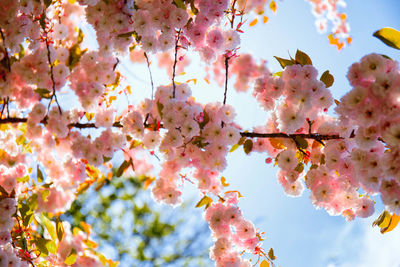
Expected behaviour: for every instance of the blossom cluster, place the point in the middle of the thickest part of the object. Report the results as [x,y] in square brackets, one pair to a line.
[373,106]
[153,25]
[328,15]
[232,231]
[361,161]
[294,97]
[8,255]
[193,135]
[48,158]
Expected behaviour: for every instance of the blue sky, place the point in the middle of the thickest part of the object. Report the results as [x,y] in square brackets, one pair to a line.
[299,234]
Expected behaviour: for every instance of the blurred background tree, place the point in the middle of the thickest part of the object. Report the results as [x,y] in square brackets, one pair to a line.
[131,228]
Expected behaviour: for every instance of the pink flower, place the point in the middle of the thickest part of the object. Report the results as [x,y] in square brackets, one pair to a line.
[365,207]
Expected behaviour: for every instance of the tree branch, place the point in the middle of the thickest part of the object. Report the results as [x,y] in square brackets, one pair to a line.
[314,136]
[151,76]
[175,61]
[226,76]
[6,100]
[47,41]
[7,57]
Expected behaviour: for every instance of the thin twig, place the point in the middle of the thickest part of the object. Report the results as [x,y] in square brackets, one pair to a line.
[175,61]
[233,10]
[2,109]
[53,95]
[7,57]
[6,100]
[8,106]
[226,77]
[151,76]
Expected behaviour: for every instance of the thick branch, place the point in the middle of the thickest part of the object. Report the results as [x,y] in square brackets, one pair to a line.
[314,136]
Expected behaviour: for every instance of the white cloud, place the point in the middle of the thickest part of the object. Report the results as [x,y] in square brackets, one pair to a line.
[371,249]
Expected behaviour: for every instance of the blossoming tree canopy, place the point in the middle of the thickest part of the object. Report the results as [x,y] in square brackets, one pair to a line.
[50,151]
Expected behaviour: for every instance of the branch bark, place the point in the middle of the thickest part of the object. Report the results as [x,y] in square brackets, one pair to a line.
[314,136]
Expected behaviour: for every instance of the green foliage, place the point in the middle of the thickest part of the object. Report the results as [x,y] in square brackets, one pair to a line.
[125,218]
[300,58]
[248,146]
[389,36]
[284,62]
[125,165]
[43,93]
[71,258]
[327,79]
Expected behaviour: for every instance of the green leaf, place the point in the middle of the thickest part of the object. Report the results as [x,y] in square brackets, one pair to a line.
[278,73]
[32,202]
[205,201]
[301,142]
[206,119]
[45,246]
[80,36]
[126,34]
[71,257]
[23,179]
[300,167]
[193,7]
[75,54]
[106,159]
[389,36]
[160,108]
[198,141]
[302,58]
[123,167]
[45,194]
[3,191]
[40,243]
[314,166]
[385,56]
[327,79]
[385,215]
[180,4]
[234,147]
[271,254]
[42,22]
[43,92]
[51,246]
[49,226]
[284,62]
[248,146]
[39,175]
[27,219]
[47,3]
